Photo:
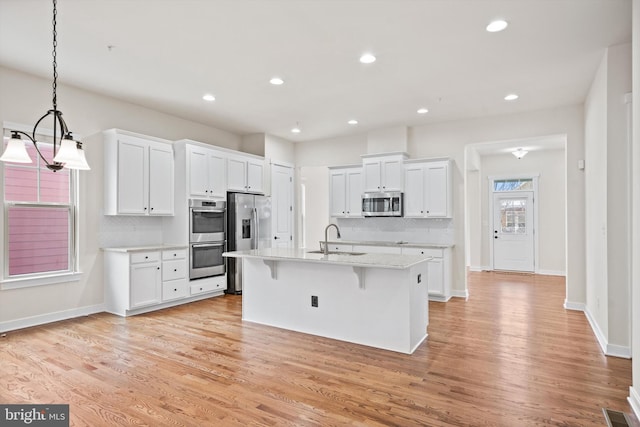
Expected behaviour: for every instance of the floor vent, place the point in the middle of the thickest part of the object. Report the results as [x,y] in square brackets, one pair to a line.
[615,418]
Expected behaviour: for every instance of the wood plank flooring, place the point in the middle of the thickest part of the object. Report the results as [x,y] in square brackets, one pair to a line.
[509,356]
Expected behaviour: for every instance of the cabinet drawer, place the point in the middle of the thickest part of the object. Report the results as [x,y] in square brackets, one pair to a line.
[139,257]
[174,254]
[174,289]
[433,252]
[174,269]
[209,285]
[377,249]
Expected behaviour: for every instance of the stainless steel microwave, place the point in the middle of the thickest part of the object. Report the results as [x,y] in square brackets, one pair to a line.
[382,204]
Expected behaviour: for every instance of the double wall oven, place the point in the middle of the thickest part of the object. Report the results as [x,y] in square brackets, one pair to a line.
[207,238]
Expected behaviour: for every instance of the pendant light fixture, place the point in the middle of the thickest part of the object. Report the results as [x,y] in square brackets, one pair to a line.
[67,152]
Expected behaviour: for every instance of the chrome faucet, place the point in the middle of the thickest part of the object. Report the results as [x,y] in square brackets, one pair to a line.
[326,231]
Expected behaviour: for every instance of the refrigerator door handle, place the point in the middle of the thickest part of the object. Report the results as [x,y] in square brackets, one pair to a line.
[256,227]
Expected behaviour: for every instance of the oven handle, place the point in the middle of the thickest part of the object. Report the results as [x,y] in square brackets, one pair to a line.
[208,245]
[207,210]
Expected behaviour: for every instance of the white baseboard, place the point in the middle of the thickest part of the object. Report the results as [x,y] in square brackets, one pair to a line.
[607,349]
[634,401]
[27,322]
[476,268]
[460,294]
[551,273]
[578,306]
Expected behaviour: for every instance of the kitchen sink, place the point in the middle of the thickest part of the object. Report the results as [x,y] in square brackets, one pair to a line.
[336,253]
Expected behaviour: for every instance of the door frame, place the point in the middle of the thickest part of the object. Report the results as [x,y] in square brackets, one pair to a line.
[534,177]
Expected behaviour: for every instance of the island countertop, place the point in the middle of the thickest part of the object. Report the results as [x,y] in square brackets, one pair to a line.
[367,260]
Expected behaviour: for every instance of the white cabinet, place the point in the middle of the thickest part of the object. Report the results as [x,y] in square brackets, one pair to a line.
[207,172]
[245,174]
[145,286]
[138,175]
[384,172]
[428,189]
[174,274]
[345,187]
[438,271]
[370,249]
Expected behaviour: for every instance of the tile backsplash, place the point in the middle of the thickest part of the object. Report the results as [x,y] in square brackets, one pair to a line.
[118,231]
[437,231]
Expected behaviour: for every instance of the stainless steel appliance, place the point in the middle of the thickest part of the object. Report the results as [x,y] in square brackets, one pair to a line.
[207,238]
[382,204]
[207,221]
[249,226]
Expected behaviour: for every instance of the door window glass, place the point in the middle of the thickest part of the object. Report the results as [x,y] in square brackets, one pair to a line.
[513,216]
[525,184]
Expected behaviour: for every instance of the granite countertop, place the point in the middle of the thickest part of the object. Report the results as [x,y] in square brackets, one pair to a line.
[161,247]
[402,244]
[391,261]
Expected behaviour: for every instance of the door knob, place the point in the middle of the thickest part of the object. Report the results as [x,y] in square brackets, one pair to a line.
[275,237]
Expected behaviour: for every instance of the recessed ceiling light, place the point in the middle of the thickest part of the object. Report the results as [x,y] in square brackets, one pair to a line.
[497,25]
[511,97]
[276,81]
[208,97]
[353,122]
[422,111]
[296,130]
[367,58]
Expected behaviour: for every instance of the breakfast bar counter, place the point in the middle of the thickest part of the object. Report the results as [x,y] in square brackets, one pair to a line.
[379,300]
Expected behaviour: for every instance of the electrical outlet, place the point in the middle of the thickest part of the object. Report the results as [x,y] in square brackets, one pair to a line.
[314,301]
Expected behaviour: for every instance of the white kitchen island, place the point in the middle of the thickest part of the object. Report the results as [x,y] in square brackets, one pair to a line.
[379,300]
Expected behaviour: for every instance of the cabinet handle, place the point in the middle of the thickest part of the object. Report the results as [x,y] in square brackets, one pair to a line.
[145,208]
[175,289]
[200,288]
[157,268]
[175,254]
[206,191]
[146,257]
[175,269]
[151,208]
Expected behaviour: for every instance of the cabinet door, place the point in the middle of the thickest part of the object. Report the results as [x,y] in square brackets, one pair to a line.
[437,191]
[337,189]
[435,276]
[353,197]
[255,179]
[198,168]
[160,180]
[133,173]
[414,191]
[217,172]
[236,174]
[392,175]
[372,176]
[145,285]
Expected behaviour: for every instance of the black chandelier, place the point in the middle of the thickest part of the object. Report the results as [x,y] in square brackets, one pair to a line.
[67,152]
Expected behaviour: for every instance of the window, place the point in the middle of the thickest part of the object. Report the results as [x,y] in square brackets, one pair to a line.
[524,184]
[39,215]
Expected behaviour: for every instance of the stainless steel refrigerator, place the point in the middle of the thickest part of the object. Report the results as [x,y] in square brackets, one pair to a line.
[248,227]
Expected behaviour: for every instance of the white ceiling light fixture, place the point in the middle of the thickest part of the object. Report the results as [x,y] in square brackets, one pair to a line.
[208,97]
[497,26]
[296,128]
[367,58]
[276,81]
[67,152]
[519,153]
[511,97]
[422,110]
[353,122]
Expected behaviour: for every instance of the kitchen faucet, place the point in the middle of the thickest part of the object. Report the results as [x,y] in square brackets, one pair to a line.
[326,231]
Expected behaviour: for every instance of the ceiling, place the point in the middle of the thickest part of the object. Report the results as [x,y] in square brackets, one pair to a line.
[165,54]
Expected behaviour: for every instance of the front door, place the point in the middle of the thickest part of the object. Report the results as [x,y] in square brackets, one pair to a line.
[513,231]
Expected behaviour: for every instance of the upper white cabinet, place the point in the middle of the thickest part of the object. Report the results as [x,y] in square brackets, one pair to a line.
[207,172]
[384,172]
[138,174]
[428,188]
[345,187]
[245,174]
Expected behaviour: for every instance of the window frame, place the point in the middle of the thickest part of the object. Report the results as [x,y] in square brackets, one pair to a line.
[50,277]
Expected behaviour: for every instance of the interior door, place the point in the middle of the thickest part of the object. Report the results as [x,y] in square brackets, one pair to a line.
[282,206]
[513,231]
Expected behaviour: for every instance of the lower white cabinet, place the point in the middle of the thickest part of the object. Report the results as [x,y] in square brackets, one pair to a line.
[438,271]
[377,249]
[141,281]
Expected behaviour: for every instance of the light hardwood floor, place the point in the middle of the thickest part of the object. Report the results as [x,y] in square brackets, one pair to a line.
[509,356]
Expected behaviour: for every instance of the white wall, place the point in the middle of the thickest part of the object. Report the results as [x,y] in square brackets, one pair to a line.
[634,391]
[24,99]
[549,165]
[607,179]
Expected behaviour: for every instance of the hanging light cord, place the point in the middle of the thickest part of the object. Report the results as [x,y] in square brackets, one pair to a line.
[55,62]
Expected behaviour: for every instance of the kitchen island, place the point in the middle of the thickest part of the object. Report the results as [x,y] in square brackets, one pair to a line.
[379,300]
